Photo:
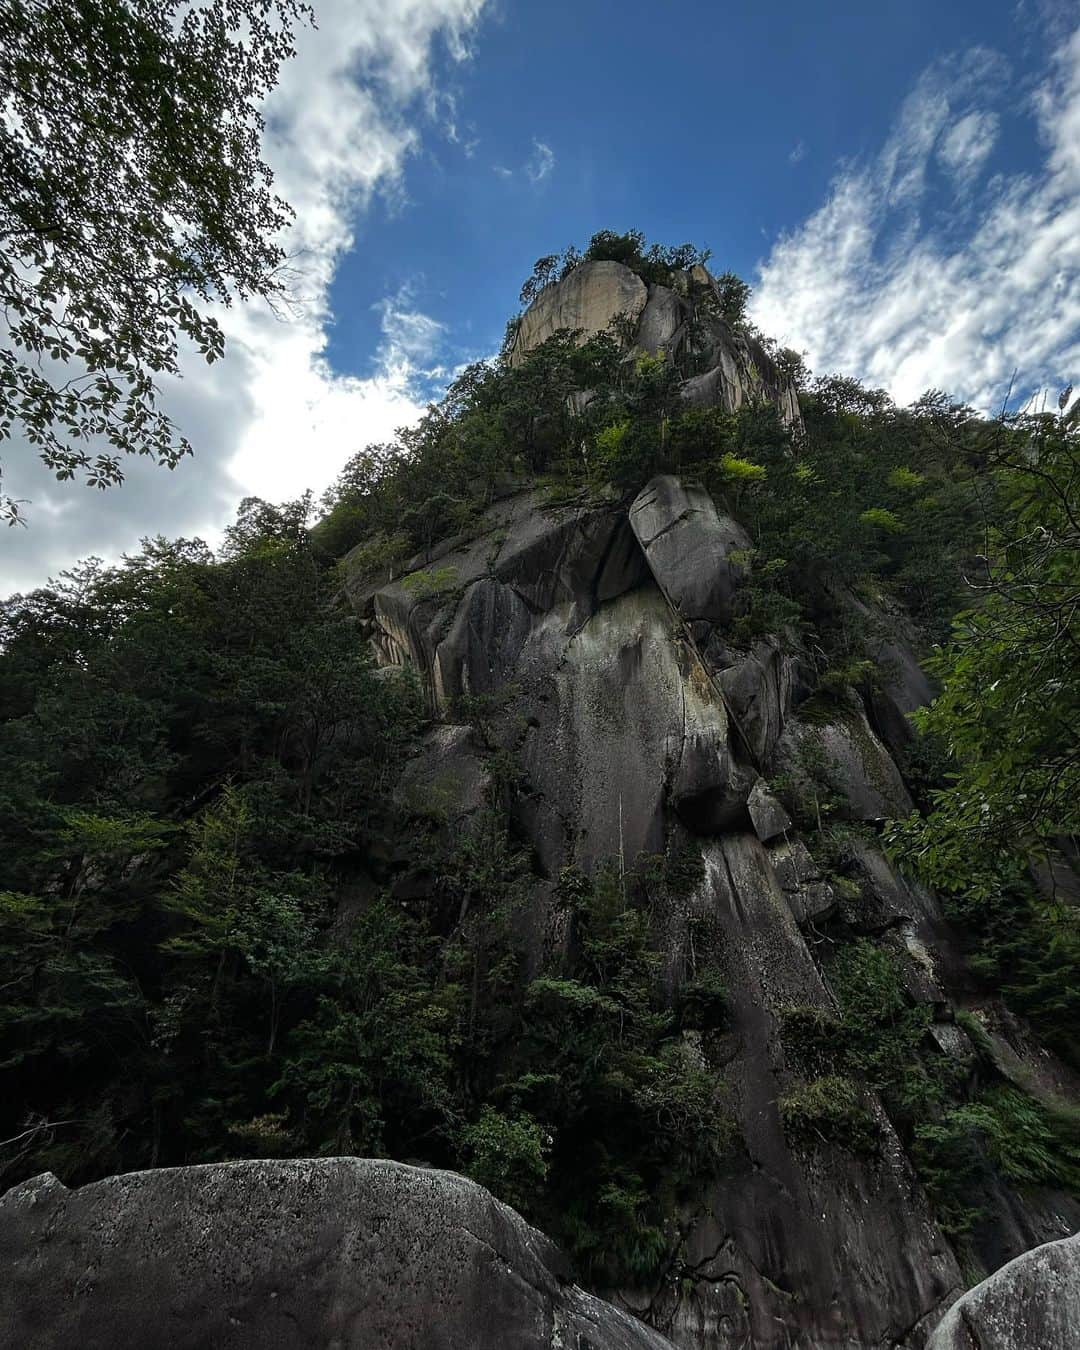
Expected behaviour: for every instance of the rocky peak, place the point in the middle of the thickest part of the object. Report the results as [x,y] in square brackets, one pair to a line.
[723,363]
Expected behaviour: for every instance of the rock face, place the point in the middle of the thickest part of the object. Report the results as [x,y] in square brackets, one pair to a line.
[351,1253]
[601,635]
[592,296]
[725,365]
[1033,1302]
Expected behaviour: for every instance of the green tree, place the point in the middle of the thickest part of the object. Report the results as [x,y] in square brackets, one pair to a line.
[1009,709]
[132,189]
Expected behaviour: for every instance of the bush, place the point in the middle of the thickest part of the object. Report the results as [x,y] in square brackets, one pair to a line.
[508,1155]
[828,1110]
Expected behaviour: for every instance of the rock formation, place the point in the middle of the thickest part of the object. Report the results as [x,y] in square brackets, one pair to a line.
[724,364]
[345,1252]
[1032,1302]
[600,635]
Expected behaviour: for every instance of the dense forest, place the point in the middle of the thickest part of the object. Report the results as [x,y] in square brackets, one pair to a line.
[213,943]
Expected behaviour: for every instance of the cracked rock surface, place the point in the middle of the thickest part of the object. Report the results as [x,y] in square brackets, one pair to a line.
[349,1253]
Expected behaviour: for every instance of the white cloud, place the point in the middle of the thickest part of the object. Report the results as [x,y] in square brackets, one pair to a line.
[541,163]
[537,168]
[967,144]
[868,287]
[797,153]
[272,418]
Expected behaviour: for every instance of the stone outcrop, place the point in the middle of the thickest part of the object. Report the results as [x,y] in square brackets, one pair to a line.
[725,365]
[589,299]
[689,548]
[357,1254]
[1033,1303]
[600,634]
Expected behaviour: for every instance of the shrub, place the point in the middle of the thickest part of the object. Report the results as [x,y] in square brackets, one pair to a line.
[828,1110]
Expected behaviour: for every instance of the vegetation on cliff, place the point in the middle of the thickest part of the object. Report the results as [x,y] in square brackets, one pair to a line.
[208,948]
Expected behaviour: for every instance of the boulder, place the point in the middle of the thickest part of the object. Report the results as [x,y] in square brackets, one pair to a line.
[590,298]
[1033,1303]
[759,687]
[767,816]
[808,894]
[350,1253]
[853,762]
[687,546]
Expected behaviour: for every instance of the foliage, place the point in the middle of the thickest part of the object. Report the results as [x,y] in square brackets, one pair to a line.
[132,189]
[960,1129]
[633,1112]
[1009,706]
[653,263]
[508,1155]
[828,1110]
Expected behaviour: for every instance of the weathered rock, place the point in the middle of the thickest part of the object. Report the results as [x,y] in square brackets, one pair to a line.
[742,374]
[662,321]
[594,294]
[760,688]
[809,895]
[767,816]
[354,1253]
[661,318]
[1033,1303]
[851,760]
[635,724]
[687,545]
[448,778]
[789,1250]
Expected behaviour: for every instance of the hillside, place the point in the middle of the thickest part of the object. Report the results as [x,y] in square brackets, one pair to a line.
[551,810]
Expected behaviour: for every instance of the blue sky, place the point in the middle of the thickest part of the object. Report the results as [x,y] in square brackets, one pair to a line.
[719,124]
[899,181]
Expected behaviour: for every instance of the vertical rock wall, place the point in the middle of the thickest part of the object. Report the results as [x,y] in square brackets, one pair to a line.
[637,729]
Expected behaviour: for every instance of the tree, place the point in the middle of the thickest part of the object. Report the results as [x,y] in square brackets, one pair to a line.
[1010,699]
[132,193]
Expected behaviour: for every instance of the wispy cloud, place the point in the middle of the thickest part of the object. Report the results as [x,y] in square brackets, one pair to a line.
[967,145]
[537,169]
[541,163]
[875,285]
[273,418]
[797,152]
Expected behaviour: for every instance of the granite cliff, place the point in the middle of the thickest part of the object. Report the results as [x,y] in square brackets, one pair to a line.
[596,688]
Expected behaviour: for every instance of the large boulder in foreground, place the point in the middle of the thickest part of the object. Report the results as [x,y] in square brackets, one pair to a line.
[1033,1303]
[350,1253]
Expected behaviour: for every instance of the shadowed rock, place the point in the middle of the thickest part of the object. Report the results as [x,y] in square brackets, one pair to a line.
[349,1253]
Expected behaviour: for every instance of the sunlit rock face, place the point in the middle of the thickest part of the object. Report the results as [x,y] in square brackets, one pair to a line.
[352,1253]
[601,634]
[590,299]
[724,365]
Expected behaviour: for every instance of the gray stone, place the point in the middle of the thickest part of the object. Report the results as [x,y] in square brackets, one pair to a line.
[742,374]
[448,778]
[808,894]
[687,545]
[1033,1303]
[350,1253]
[853,761]
[661,321]
[589,299]
[767,816]
[759,688]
